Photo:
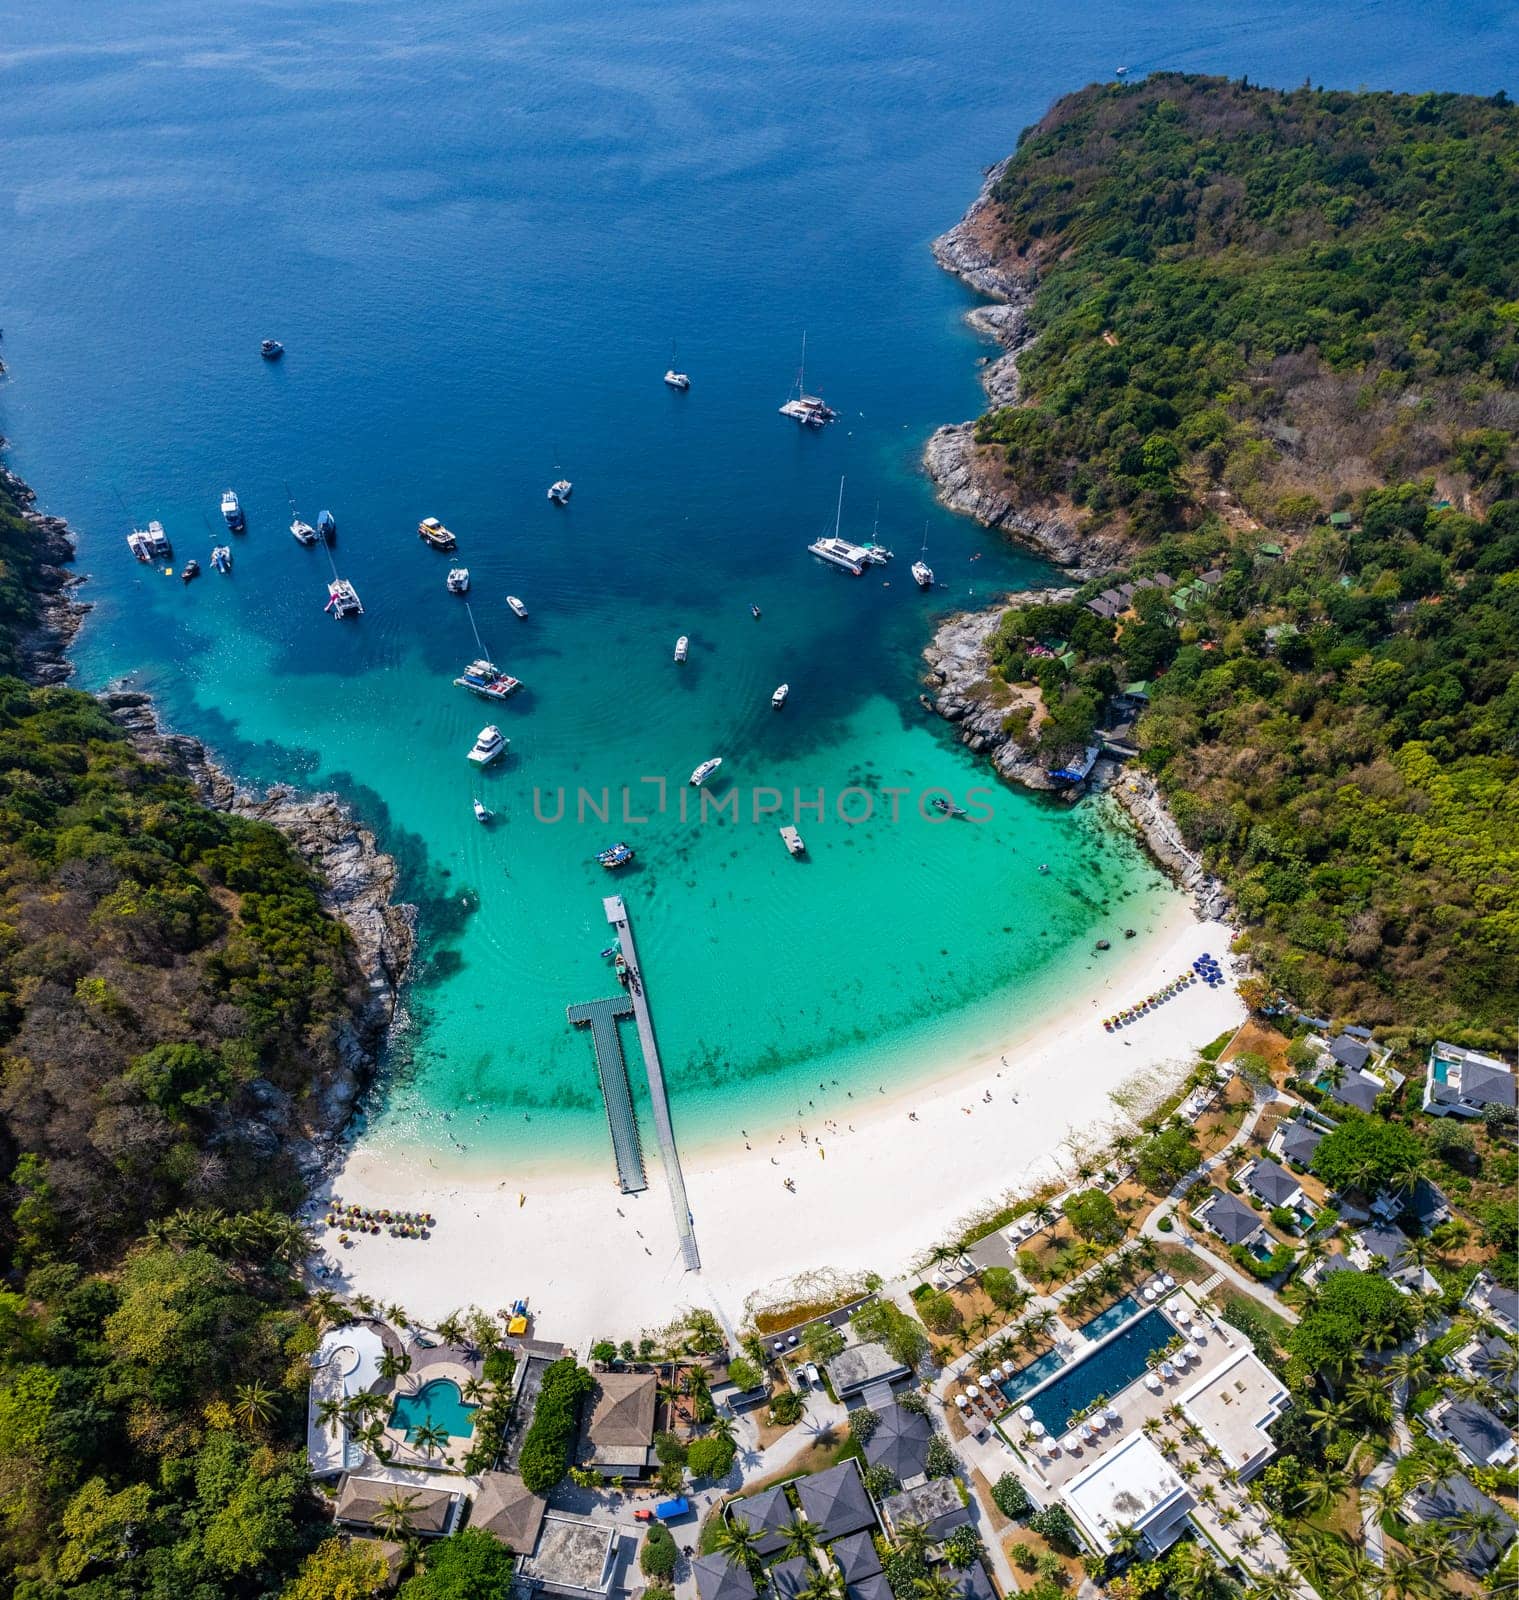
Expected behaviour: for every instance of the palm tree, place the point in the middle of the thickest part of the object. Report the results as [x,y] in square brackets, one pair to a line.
[451,1329]
[430,1437]
[1003,1349]
[1474,1526]
[393,1363]
[723,1428]
[254,1405]
[1384,1499]
[331,1411]
[1367,1393]
[365,1304]
[1436,1547]
[821,1586]
[1125,1539]
[395,1514]
[913,1539]
[473,1391]
[1152,1426]
[1271,1583]
[1354,1571]
[1329,1417]
[1320,1490]
[983,1322]
[737,1541]
[936,1586]
[1407,1578]
[798,1536]
[1194,1574]
[329,1309]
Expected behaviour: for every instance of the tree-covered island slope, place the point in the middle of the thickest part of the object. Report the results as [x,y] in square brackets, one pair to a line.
[1273,338]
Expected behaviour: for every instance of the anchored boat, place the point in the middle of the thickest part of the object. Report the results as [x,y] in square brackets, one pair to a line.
[271,349]
[233,512]
[618,855]
[704,771]
[793,841]
[458,580]
[221,557]
[343,599]
[489,744]
[682,644]
[840,552]
[560,491]
[190,570]
[807,409]
[481,814]
[150,543]
[487,680]
[433,534]
[922,573]
[778,699]
[676,379]
[326,526]
[517,606]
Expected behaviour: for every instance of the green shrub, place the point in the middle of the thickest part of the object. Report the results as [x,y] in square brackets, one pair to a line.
[1010,1497]
[660,1554]
[545,1456]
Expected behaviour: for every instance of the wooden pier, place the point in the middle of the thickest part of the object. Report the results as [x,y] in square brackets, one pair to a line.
[617,915]
[600,1016]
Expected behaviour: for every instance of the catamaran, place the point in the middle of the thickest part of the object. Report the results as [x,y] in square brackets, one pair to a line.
[233,511]
[517,606]
[432,533]
[807,409]
[675,378]
[343,599]
[487,680]
[150,543]
[922,573]
[458,580]
[682,644]
[840,552]
[221,558]
[778,699]
[489,744]
[704,771]
[560,491]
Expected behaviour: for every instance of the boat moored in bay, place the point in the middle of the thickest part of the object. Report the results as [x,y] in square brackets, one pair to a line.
[682,645]
[150,543]
[807,409]
[839,552]
[517,607]
[326,526]
[778,699]
[560,491]
[343,599]
[435,536]
[794,841]
[489,744]
[487,680]
[232,511]
[458,580]
[704,771]
[481,814]
[617,855]
[271,349]
[221,558]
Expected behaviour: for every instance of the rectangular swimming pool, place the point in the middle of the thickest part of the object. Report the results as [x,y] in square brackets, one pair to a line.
[1026,1378]
[1114,1317]
[1115,1366]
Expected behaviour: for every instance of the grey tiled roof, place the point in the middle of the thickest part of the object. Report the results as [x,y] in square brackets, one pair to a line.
[856,1556]
[1477,1433]
[900,1442]
[766,1512]
[835,1501]
[1232,1220]
[718,1578]
[1439,1502]
[1274,1184]
[1350,1053]
[1299,1140]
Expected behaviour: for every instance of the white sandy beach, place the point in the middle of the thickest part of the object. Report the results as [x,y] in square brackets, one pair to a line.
[597,1263]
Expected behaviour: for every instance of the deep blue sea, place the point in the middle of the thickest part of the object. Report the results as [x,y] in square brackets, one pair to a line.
[479,230]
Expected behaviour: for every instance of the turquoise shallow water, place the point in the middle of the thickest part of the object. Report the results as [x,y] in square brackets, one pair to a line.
[478,233]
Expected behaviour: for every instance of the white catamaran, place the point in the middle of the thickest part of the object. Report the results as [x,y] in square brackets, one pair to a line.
[807,409]
[840,552]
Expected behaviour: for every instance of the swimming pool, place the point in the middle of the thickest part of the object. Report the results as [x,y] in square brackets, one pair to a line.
[1114,1317]
[1115,1366]
[1029,1377]
[438,1404]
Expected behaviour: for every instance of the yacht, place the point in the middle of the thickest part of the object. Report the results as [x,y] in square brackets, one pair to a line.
[150,543]
[877,554]
[481,814]
[303,531]
[233,511]
[618,855]
[221,557]
[807,409]
[343,599]
[682,644]
[433,534]
[778,699]
[326,526]
[191,569]
[487,680]
[517,606]
[271,349]
[840,552]
[922,573]
[458,580]
[677,380]
[560,491]
[490,744]
[705,771]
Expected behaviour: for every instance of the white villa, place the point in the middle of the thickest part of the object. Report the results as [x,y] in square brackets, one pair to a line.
[1134,1486]
[1462,1083]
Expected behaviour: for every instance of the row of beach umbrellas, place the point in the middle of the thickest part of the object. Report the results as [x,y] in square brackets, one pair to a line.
[1149,1003]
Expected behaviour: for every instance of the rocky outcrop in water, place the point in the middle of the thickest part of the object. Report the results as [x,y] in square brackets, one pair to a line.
[43,647]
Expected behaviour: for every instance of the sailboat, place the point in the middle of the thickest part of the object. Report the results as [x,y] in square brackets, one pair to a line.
[303,532]
[673,376]
[342,597]
[875,551]
[483,677]
[839,552]
[922,573]
[807,409]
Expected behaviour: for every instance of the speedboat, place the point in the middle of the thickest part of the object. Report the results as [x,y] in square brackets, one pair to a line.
[677,380]
[517,606]
[877,554]
[271,349]
[946,808]
[303,531]
[922,574]
[778,699]
[343,599]
[233,511]
[618,855]
[490,744]
[221,557]
[432,532]
[794,841]
[481,814]
[705,771]
[754,611]
[560,491]
[487,680]
[326,526]
[458,580]
[150,543]
[191,569]
[682,644]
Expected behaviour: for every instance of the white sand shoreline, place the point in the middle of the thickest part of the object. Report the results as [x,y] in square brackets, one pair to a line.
[594,1262]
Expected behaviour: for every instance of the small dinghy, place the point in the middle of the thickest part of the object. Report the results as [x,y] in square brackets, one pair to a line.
[481,814]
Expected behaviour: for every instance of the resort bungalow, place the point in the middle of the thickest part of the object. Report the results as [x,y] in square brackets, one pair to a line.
[855,1557]
[1455,1497]
[900,1444]
[790,1577]
[1492,1360]
[935,1504]
[573,1557]
[860,1366]
[1295,1142]
[1234,1407]
[617,1435]
[835,1502]
[1423,1207]
[1230,1219]
[368,1503]
[1273,1185]
[508,1510]
[1476,1433]
[1315,1272]
[718,1578]
[1491,1300]
[1461,1083]
[1385,1250]
[766,1514]
[1130,1486]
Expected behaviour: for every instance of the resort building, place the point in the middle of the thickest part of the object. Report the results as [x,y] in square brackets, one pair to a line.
[1477,1434]
[1234,1405]
[790,1577]
[368,1503]
[855,1557]
[508,1510]
[861,1366]
[1130,1486]
[900,1444]
[935,1504]
[345,1364]
[572,1557]
[1492,1300]
[718,1578]
[617,1435]
[1295,1142]
[835,1502]
[1491,1359]
[1324,1267]
[1423,1207]
[1271,1184]
[1462,1083]
[1385,1250]
[1455,1497]
[767,1514]
[1230,1219]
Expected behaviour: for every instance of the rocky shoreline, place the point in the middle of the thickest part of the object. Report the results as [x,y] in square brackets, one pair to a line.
[357,880]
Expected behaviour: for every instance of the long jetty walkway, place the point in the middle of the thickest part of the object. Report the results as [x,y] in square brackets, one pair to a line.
[601,1017]
[617,915]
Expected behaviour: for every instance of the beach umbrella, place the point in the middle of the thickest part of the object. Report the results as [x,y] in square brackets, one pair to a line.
[1149,1292]
[1153,1384]
[961,1401]
[1112,1415]
[973,1391]
[1025,1413]
[1072,1442]
[1167,1370]
[1036,1427]
[1168,1280]
[1198,1336]
[1180,1312]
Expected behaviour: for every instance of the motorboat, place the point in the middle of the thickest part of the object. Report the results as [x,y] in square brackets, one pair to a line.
[326,526]
[618,855]
[271,349]
[458,580]
[837,551]
[487,680]
[877,554]
[433,534]
[754,611]
[807,409]
[232,511]
[560,491]
[221,557]
[947,808]
[705,771]
[343,599]
[778,699]
[489,744]
[150,543]
[677,380]
[191,569]
[794,842]
[303,531]
[682,644]
[481,814]
[518,609]
[922,574]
